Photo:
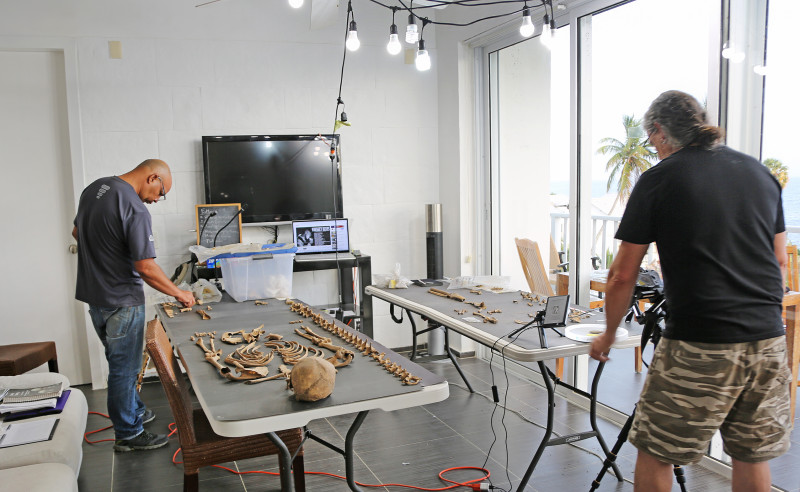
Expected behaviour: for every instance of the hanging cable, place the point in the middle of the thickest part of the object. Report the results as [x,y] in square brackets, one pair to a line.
[464,3]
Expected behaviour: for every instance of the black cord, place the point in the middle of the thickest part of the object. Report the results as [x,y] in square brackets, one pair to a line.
[463,3]
[493,348]
[334,154]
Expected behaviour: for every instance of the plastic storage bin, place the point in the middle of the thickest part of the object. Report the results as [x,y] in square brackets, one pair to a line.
[258,277]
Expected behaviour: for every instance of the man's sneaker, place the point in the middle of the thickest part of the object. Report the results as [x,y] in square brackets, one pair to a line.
[148,416]
[143,441]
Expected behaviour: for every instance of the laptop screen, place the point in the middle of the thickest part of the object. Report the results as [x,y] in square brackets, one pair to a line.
[321,236]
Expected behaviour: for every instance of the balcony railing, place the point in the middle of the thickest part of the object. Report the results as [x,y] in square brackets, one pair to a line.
[604,246]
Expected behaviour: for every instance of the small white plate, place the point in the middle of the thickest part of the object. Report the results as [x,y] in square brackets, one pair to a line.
[588,332]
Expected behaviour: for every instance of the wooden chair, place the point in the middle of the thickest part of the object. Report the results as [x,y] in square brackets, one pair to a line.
[533,267]
[537,278]
[200,446]
[792,276]
[792,270]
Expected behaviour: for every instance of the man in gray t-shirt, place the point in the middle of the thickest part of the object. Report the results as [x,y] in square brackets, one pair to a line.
[115,257]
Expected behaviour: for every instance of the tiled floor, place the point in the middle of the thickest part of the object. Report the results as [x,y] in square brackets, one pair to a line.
[412,446]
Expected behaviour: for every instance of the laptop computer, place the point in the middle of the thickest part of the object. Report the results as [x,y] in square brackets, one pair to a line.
[326,239]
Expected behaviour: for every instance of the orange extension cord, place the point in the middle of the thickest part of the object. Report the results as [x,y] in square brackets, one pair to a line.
[475,484]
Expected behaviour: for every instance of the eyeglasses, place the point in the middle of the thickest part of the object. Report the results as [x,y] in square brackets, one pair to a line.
[163,193]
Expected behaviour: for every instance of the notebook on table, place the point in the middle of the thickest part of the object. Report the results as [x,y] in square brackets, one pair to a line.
[327,239]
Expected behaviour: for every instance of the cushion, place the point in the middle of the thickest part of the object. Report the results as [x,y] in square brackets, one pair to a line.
[41,477]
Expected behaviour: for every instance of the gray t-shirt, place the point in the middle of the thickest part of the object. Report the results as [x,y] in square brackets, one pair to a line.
[114,231]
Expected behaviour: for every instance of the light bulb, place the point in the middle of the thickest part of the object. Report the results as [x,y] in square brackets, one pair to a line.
[295,4]
[393,46]
[423,59]
[412,33]
[727,50]
[352,42]
[760,70]
[547,32]
[527,28]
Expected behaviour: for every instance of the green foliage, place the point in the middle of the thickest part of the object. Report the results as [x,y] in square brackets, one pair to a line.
[629,157]
[779,170]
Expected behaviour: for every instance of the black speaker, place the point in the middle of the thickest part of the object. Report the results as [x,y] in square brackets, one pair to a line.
[433,240]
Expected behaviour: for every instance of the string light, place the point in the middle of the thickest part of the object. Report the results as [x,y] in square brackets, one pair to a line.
[412,34]
[423,59]
[527,28]
[295,4]
[393,46]
[352,42]
[730,52]
[547,31]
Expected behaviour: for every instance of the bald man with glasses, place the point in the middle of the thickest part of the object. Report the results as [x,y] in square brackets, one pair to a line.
[116,256]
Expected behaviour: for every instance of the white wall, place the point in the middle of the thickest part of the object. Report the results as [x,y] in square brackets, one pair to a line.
[251,66]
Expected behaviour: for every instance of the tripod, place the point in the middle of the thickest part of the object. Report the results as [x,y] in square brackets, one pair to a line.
[539,322]
[652,332]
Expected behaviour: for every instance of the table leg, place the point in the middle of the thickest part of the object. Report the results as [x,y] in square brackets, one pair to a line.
[453,359]
[548,431]
[348,448]
[285,462]
[593,420]
[566,439]
[793,349]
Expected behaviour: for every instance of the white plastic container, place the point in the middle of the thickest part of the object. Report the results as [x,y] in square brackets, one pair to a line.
[258,277]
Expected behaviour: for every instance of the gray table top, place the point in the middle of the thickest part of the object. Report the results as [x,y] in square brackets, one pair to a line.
[268,406]
[526,347]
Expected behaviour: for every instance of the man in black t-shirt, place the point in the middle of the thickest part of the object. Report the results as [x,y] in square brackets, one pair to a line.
[717,220]
[115,255]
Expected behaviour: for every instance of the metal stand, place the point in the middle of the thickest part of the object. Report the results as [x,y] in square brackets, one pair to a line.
[611,458]
[652,331]
[542,335]
[432,325]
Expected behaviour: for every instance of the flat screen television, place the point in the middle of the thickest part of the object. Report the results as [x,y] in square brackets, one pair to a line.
[276,178]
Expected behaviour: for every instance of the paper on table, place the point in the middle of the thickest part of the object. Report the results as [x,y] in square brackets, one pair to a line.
[28,432]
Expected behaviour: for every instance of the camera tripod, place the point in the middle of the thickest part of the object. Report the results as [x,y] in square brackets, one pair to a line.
[651,319]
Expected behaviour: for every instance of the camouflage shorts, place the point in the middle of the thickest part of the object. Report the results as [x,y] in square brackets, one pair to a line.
[692,389]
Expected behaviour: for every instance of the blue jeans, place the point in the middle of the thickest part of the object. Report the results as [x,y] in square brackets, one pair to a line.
[122,332]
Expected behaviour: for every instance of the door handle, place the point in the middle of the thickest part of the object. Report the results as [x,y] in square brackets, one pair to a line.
[73,248]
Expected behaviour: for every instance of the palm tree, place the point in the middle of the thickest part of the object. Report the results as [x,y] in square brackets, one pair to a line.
[779,170]
[629,158]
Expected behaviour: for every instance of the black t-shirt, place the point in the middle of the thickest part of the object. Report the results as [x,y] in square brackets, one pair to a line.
[114,231]
[713,215]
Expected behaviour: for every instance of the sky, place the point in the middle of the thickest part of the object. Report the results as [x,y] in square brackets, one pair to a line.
[641,49]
